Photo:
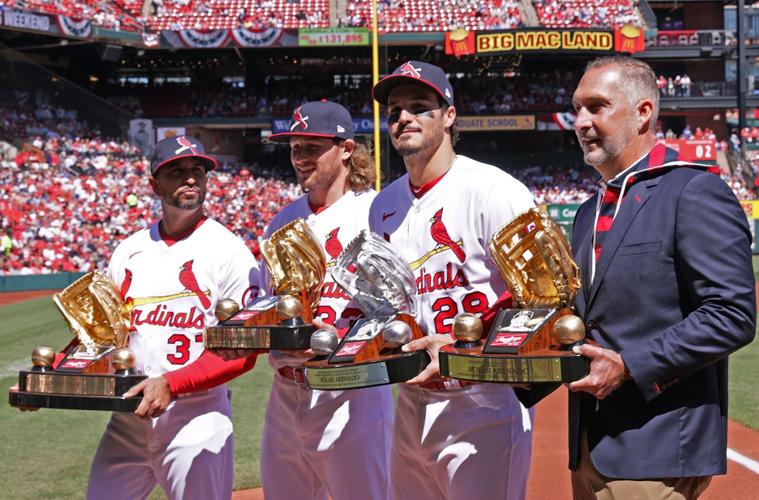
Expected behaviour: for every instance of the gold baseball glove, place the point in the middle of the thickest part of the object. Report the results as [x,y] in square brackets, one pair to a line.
[534,259]
[295,259]
[95,311]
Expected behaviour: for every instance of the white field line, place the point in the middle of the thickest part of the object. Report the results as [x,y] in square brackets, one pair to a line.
[745,461]
[12,369]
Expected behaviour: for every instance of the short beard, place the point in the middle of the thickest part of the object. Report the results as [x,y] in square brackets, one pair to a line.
[408,150]
[609,150]
[186,205]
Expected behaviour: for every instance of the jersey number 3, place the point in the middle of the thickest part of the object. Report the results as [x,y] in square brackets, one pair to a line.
[182,348]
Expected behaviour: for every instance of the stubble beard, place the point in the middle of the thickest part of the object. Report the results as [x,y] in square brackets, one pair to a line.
[610,148]
[176,202]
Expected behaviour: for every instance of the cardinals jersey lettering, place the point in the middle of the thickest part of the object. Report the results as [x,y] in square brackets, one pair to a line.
[444,236]
[171,290]
[335,226]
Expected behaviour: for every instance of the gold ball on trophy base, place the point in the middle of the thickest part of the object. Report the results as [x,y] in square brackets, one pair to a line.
[225,309]
[43,356]
[396,333]
[467,328]
[324,342]
[568,329]
[122,359]
[289,307]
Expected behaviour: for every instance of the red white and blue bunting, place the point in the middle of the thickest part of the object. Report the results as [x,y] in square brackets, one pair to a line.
[244,37]
[73,27]
[203,39]
[565,121]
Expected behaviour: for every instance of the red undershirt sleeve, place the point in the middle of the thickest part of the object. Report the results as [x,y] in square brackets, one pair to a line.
[206,372]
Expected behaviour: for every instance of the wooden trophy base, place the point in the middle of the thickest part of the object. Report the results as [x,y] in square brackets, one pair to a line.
[75,391]
[392,368]
[280,337]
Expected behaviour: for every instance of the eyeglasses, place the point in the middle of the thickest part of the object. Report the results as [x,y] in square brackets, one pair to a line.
[419,113]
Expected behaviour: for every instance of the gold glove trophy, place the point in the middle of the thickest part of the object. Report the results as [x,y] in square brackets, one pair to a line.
[97,368]
[294,257]
[382,285]
[531,343]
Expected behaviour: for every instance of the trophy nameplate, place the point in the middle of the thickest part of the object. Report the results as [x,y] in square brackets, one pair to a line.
[273,322]
[382,285]
[97,368]
[282,321]
[530,344]
[366,357]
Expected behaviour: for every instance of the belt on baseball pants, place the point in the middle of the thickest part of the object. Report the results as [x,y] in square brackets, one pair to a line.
[294,373]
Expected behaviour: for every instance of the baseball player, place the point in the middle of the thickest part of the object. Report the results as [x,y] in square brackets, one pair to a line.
[319,444]
[450,439]
[171,275]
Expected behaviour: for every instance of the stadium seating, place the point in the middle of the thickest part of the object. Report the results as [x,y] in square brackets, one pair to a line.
[585,13]
[434,15]
[103,13]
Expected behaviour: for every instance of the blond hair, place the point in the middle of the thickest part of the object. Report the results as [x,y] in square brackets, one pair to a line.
[361,173]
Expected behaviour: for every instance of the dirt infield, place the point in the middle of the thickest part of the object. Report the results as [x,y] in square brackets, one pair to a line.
[12,297]
[549,476]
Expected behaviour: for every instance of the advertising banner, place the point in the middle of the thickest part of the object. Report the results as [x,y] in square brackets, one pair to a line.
[332,37]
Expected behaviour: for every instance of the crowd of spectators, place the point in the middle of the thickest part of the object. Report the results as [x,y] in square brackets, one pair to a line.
[559,184]
[61,221]
[68,195]
[585,13]
[434,15]
[524,91]
[102,13]
[394,15]
[677,86]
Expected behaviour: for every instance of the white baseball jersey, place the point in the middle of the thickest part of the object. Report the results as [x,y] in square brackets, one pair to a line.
[326,444]
[444,235]
[335,226]
[171,289]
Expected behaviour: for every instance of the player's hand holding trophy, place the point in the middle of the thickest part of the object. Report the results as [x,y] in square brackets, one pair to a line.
[283,321]
[382,285]
[532,342]
[96,368]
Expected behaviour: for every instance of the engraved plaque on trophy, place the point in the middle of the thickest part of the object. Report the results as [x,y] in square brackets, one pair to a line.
[295,260]
[530,343]
[383,286]
[96,368]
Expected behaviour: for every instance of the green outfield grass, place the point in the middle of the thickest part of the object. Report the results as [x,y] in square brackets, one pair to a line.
[47,454]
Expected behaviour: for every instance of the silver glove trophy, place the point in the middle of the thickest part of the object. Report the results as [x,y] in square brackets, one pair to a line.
[382,285]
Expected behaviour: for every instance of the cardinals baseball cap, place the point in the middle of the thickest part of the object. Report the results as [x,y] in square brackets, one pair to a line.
[318,119]
[415,72]
[175,148]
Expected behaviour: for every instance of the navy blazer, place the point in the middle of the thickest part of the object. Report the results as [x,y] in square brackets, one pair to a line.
[673,293]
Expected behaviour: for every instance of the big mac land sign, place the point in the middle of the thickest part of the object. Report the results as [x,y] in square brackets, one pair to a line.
[628,38]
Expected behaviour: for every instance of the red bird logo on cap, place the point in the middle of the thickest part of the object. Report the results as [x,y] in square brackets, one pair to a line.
[186,144]
[188,280]
[332,245]
[441,236]
[408,69]
[299,120]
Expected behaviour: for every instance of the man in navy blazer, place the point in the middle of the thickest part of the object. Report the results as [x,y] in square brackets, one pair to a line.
[667,294]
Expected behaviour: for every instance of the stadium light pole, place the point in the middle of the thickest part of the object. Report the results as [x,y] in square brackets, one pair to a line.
[741,66]
[375,105]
